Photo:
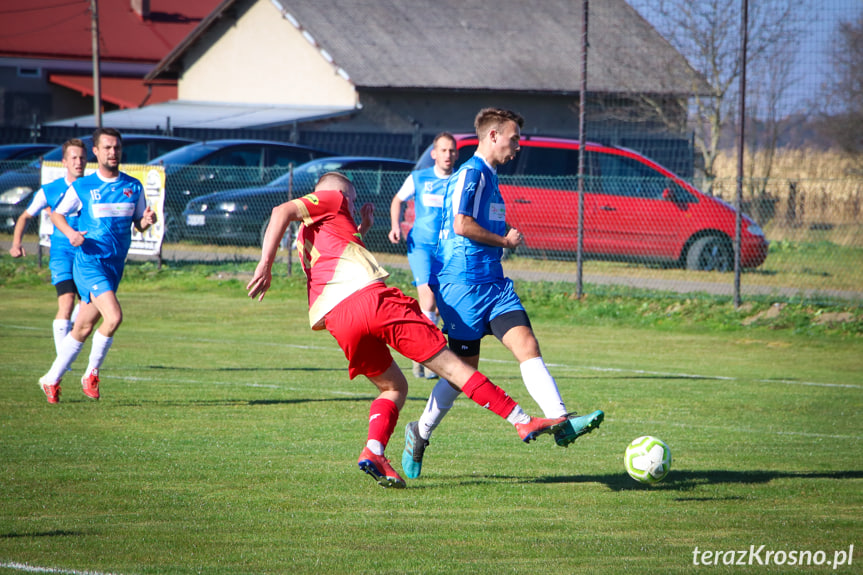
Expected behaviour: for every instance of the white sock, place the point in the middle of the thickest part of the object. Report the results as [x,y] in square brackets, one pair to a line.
[375,446]
[75,312]
[66,356]
[542,387]
[432,315]
[440,402]
[517,415]
[101,345]
[61,328]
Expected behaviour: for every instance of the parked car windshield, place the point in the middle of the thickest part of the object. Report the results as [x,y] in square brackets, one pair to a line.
[310,171]
[185,155]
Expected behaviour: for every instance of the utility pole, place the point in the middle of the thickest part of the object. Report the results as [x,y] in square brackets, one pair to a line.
[97,79]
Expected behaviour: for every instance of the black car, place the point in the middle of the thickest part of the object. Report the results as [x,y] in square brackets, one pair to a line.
[18,186]
[241,216]
[210,166]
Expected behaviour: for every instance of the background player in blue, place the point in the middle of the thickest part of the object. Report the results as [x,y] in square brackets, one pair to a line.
[110,202]
[426,187]
[62,252]
[474,297]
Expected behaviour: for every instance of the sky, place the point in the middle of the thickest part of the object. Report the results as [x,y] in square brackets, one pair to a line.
[813,63]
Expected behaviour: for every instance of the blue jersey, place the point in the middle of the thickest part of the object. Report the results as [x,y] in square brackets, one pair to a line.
[428,204]
[54,192]
[472,191]
[108,209]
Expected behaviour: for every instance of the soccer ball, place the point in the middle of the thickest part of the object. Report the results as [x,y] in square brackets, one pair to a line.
[647,459]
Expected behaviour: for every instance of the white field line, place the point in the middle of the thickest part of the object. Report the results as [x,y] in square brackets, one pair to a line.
[334,349]
[33,569]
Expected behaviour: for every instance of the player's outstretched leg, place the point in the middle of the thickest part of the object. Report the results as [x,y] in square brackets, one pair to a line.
[538,426]
[576,426]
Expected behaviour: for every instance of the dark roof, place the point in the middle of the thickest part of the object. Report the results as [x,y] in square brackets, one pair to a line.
[506,45]
[60,29]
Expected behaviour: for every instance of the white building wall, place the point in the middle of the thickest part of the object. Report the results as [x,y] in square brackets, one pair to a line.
[262,59]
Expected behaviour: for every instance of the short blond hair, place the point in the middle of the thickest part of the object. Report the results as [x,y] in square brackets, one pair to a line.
[333,181]
[489,119]
[74,143]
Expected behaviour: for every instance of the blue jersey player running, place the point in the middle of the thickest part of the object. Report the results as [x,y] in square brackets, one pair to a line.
[62,252]
[110,202]
[474,297]
[426,187]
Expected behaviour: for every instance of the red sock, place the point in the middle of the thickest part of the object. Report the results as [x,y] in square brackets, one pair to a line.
[383,417]
[486,394]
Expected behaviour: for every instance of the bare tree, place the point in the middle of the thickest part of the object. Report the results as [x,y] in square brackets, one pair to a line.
[707,33]
[841,108]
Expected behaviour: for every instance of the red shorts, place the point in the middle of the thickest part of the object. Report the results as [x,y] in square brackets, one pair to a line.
[376,316]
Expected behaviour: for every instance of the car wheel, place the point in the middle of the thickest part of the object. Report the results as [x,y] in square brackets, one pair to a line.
[173,226]
[710,253]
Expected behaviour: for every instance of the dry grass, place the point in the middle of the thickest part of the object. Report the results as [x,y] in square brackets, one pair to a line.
[808,191]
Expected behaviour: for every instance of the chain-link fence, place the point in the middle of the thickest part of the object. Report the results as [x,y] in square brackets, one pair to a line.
[641,229]
[651,232]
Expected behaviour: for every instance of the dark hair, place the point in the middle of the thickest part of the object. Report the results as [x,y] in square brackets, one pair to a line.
[73,143]
[492,118]
[446,135]
[106,132]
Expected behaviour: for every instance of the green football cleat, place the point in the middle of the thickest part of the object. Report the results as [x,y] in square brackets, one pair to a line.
[576,426]
[415,446]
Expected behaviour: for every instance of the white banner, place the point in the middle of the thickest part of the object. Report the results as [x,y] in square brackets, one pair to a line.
[152,177]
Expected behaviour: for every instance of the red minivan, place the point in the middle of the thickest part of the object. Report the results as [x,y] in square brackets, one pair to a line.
[634,209]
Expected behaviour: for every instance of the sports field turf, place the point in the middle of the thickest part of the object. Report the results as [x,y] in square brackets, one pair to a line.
[227,436]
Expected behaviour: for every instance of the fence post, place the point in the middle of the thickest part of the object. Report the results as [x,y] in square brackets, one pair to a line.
[579,281]
[738,217]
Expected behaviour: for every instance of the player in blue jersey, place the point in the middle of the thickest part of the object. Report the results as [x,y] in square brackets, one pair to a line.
[110,202]
[473,295]
[62,252]
[426,187]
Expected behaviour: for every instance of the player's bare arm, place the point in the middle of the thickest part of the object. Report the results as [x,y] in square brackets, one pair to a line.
[17,250]
[395,234]
[468,227]
[367,218]
[281,216]
[76,238]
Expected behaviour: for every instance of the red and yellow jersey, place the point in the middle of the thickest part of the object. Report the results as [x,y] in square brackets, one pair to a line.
[334,258]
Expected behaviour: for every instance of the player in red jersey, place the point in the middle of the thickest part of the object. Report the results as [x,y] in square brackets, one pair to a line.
[348,297]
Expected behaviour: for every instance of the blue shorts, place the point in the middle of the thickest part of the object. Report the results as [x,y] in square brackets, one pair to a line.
[95,276]
[421,258]
[467,310]
[60,263]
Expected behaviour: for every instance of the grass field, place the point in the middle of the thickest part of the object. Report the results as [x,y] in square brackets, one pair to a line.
[228,432]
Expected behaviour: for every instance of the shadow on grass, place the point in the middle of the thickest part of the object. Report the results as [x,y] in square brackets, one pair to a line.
[228,402]
[54,533]
[243,369]
[686,480]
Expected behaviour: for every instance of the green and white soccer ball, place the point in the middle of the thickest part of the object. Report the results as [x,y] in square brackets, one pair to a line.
[647,459]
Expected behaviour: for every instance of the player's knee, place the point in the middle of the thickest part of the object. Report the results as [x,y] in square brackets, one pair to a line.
[111,322]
